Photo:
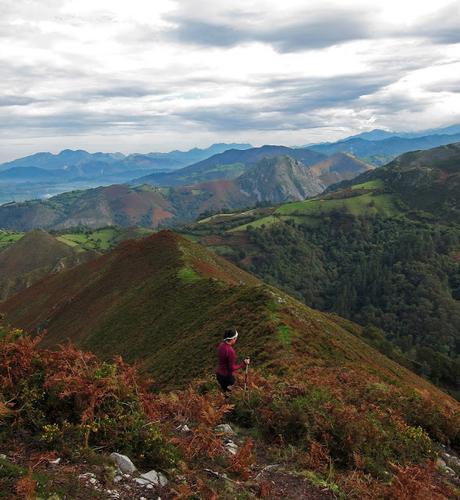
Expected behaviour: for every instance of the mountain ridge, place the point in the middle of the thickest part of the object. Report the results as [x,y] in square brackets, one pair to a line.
[235,161]
[68,157]
[171,259]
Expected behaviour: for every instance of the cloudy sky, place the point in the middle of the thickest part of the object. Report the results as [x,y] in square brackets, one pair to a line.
[155,75]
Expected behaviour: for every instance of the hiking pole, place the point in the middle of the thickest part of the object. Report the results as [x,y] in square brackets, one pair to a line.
[246,371]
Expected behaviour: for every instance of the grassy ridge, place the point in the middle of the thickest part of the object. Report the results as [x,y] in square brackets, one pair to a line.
[320,397]
[165,299]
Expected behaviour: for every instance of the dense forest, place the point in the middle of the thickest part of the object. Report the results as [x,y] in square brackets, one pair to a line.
[399,276]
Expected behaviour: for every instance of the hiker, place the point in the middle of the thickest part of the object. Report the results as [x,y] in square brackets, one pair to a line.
[227,361]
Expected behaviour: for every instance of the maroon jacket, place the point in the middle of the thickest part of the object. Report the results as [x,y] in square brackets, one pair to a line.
[227,360]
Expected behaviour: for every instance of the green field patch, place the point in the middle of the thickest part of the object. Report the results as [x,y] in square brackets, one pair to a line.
[307,211]
[375,184]
[264,221]
[366,204]
[67,241]
[102,240]
[188,275]
[217,217]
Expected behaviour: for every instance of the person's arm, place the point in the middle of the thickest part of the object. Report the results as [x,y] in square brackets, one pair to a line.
[231,358]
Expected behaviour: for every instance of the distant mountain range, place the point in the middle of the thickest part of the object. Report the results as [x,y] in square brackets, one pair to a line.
[167,161]
[379,134]
[44,175]
[384,149]
[38,175]
[270,180]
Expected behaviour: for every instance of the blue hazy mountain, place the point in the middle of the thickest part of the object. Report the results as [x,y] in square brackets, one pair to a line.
[381,150]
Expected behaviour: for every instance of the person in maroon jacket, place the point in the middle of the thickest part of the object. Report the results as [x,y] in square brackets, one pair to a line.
[227,361]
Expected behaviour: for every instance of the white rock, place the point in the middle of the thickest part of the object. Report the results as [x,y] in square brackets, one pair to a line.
[57,461]
[3,456]
[142,482]
[231,447]
[156,478]
[449,471]
[123,463]
[117,479]
[225,429]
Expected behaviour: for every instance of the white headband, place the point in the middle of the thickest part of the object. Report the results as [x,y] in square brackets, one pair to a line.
[234,336]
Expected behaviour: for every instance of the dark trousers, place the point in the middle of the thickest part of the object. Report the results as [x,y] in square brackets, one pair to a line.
[225,381]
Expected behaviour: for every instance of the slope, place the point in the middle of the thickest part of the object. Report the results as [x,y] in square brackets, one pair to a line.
[339,167]
[32,257]
[99,207]
[319,394]
[427,181]
[140,301]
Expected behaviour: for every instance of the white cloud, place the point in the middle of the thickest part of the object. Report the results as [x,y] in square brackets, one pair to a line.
[153,75]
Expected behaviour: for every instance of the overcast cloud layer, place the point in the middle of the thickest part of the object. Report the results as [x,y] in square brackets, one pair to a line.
[149,75]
